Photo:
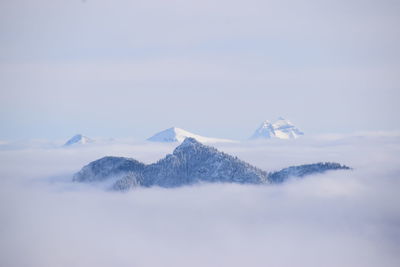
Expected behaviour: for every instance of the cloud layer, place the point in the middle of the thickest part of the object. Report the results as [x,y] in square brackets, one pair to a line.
[344,218]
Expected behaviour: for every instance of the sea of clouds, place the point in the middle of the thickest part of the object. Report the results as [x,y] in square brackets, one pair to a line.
[341,218]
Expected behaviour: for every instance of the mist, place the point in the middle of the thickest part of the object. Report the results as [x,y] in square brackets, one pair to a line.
[342,218]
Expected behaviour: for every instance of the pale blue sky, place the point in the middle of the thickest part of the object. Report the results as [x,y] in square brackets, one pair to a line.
[218,68]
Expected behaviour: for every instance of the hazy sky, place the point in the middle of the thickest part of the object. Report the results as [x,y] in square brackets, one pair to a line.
[131,68]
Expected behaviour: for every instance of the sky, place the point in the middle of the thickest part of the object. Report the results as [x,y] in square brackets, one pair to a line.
[216,68]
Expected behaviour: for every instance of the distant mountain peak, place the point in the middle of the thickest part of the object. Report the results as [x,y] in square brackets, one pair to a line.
[78,139]
[175,134]
[281,128]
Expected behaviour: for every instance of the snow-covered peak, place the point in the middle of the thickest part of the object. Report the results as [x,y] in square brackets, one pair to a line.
[190,141]
[280,122]
[78,139]
[175,134]
[282,129]
[189,144]
[266,124]
[266,130]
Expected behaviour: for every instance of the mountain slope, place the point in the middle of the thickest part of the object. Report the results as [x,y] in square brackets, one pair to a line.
[304,170]
[190,163]
[107,167]
[175,134]
[282,129]
[193,162]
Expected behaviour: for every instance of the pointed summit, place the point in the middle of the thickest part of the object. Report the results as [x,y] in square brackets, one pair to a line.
[192,162]
[175,134]
[282,129]
[189,144]
[190,141]
[78,139]
[168,135]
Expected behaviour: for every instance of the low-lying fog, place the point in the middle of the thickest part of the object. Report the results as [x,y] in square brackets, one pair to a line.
[342,218]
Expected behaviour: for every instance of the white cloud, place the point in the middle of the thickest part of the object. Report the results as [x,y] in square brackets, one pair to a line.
[345,218]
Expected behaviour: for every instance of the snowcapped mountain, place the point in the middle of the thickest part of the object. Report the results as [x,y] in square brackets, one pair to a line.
[282,129]
[190,163]
[78,139]
[175,134]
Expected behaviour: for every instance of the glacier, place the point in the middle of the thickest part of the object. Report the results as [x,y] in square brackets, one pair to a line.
[190,163]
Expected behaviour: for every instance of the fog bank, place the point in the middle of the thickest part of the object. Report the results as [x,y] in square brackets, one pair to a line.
[343,218]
